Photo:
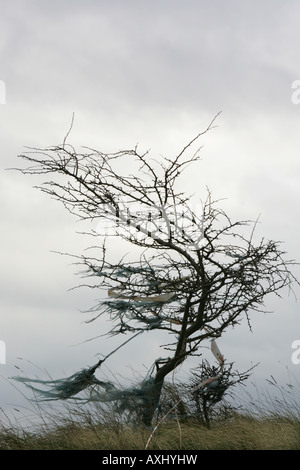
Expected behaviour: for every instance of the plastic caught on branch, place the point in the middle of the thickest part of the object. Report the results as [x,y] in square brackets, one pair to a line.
[162,298]
[217,353]
[62,389]
[209,383]
[126,303]
[140,400]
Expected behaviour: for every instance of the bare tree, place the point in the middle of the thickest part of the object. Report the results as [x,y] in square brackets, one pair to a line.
[197,272]
[202,398]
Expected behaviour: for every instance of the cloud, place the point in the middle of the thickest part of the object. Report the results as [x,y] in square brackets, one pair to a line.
[155,74]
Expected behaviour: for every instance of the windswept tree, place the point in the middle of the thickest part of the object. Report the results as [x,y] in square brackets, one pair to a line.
[196,272]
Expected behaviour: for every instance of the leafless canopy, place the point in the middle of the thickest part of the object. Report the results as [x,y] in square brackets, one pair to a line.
[199,272]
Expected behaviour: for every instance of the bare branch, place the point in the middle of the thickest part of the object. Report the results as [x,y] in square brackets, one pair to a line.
[198,272]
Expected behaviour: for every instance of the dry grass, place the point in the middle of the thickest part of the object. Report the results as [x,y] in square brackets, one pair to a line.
[90,427]
[242,432]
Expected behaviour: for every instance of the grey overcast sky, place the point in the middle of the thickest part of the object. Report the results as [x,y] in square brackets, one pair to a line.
[153,73]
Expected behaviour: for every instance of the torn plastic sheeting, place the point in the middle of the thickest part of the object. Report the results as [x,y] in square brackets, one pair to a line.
[146,395]
[235,255]
[63,388]
[143,398]
[216,352]
[211,382]
[147,299]
[120,305]
[125,303]
[161,298]
[144,391]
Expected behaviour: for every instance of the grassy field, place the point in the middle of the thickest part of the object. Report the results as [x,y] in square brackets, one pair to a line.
[272,424]
[239,433]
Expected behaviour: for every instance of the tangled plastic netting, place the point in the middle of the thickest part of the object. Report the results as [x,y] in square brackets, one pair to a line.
[141,399]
